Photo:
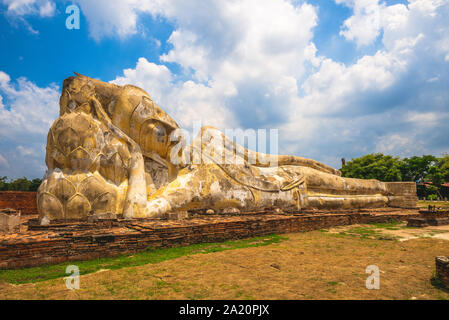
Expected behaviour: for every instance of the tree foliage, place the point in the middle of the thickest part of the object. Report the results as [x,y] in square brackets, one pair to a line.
[424,169]
[418,169]
[21,184]
[382,167]
[374,166]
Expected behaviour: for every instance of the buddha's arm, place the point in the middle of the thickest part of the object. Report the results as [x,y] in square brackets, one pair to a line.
[136,198]
[211,138]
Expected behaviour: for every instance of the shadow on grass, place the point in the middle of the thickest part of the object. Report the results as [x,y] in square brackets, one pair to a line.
[150,255]
[439,284]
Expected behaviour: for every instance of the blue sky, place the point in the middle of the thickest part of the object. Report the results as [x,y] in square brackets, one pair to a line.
[53,53]
[338,78]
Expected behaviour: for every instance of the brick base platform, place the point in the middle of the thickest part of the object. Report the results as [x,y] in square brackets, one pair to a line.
[417,222]
[429,218]
[39,245]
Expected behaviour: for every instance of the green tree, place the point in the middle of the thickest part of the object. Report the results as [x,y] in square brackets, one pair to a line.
[417,168]
[443,164]
[426,168]
[435,176]
[3,184]
[21,184]
[35,184]
[374,166]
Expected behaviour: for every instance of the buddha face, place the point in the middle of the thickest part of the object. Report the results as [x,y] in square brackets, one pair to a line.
[129,108]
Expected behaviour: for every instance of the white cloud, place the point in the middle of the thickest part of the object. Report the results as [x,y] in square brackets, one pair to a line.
[394,143]
[47,9]
[234,39]
[31,109]
[423,118]
[155,78]
[43,8]
[328,90]
[373,16]
[20,9]
[26,114]
[364,26]
[111,17]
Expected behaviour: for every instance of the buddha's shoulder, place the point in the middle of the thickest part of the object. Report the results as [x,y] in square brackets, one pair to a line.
[130,89]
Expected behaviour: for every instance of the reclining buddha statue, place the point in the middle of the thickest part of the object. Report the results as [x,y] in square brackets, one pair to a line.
[112,151]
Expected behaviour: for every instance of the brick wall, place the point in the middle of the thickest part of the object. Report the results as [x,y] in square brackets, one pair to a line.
[18,200]
[51,247]
[442,268]
[403,194]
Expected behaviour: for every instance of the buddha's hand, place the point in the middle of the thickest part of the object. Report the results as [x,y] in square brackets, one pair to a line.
[157,208]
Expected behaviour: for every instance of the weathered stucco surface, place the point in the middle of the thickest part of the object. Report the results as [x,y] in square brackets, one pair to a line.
[110,151]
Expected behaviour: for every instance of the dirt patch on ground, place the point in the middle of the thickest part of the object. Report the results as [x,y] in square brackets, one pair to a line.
[314,265]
